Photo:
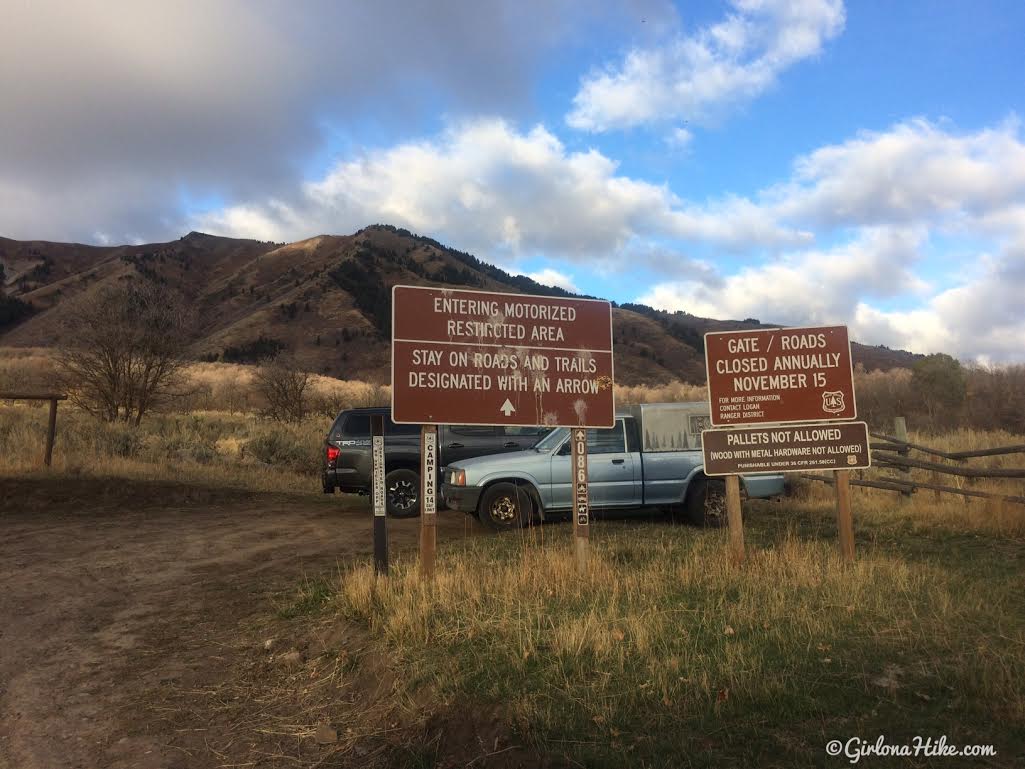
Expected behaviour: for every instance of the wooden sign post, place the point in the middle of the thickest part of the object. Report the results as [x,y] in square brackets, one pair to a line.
[380,502]
[734,518]
[844,519]
[581,502]
[428,499]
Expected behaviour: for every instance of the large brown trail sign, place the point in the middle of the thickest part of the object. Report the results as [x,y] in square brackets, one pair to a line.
[473,357]
[780,375]
[485,358]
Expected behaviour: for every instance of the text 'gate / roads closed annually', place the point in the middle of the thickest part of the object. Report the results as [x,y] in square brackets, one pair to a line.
[471,357]
[780,375]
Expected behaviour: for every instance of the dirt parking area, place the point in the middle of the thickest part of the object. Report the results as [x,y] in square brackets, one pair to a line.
[112,592]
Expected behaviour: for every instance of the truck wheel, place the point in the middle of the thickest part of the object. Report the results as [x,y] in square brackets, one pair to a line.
[706,502]
[505,506]
[402,493]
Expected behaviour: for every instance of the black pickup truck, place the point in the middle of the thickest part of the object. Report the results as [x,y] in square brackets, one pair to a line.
[347,454]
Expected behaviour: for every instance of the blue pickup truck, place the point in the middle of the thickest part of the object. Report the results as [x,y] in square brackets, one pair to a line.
[650,458]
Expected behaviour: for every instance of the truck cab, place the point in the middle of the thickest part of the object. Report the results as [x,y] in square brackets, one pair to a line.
[651,457]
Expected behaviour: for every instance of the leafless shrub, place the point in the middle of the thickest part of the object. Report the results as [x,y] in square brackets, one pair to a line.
[122,350]
[284,386]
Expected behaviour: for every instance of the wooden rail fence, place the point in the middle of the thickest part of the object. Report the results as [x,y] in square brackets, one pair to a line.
[893,453]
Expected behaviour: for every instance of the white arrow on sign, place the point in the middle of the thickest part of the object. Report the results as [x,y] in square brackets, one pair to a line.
[507,408]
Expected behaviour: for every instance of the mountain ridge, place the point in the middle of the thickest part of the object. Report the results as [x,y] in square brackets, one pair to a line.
[326,299]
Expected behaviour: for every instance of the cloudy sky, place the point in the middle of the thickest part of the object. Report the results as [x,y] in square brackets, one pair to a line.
[796,161]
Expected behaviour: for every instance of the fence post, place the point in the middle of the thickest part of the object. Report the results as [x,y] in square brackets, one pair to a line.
[844,518]
[51,433]
[734,518]
[900,430]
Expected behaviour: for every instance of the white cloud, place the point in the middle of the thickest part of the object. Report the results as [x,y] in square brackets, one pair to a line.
[981,319]
[116,114]
[911,173]
[552,277]
[699,76]
[804,287]
[502,194]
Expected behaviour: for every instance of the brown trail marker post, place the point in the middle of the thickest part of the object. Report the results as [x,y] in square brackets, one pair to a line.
[581,501]
[380,505]
[783,379]
[844,520]
[428,498]
[735,518]
[498,359]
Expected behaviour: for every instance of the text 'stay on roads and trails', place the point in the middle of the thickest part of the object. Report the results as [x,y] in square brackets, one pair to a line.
[474,357]
[786,448]
[780,375]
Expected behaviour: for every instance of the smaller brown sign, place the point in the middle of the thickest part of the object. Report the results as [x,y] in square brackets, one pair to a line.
[784,449]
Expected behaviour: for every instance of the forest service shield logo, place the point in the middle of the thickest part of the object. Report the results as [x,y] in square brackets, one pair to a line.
[833,402]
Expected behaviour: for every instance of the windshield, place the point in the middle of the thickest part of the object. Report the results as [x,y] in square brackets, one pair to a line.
[550,441]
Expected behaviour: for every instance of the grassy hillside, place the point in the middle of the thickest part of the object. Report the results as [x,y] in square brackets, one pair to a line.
[325,299]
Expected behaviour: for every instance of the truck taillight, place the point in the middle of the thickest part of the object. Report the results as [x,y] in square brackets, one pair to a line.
[332,453]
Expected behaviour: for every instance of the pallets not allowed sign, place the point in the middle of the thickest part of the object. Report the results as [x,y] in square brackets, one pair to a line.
[788,448]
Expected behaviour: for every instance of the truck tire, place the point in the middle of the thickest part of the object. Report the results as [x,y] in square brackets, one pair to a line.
[505,506]
[402,493]
[706,502]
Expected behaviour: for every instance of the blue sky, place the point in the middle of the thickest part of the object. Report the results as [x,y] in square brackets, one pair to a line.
[798,161]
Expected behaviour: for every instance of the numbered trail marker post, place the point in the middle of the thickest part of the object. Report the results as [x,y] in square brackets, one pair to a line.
[497,359]
[581,501]
[785,379]
[380,521]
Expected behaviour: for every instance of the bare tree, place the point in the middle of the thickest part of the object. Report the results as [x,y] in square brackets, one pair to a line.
[122,350]
[284,386]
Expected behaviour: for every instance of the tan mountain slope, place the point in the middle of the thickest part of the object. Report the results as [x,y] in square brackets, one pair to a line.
[326,299]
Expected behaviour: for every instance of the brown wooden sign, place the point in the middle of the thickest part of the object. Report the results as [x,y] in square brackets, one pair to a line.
[472,357]
[786,448]
[780,375]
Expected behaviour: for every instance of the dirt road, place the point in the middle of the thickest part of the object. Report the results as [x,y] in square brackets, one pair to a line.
[110,589]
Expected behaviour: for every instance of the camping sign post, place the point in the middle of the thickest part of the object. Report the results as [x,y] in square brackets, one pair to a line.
[796,387]
[428,498]
[497,359]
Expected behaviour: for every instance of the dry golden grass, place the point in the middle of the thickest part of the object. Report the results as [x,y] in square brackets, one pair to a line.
[211,448]
[673,392]
[664,643]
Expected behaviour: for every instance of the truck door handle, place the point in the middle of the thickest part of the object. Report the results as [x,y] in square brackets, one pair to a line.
[618,461]
[510,444]
[454,446]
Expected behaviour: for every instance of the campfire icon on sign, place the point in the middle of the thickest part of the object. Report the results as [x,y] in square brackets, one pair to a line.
[833,402]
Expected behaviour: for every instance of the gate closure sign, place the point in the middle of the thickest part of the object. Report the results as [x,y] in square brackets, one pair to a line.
[780,375]
[485,358]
